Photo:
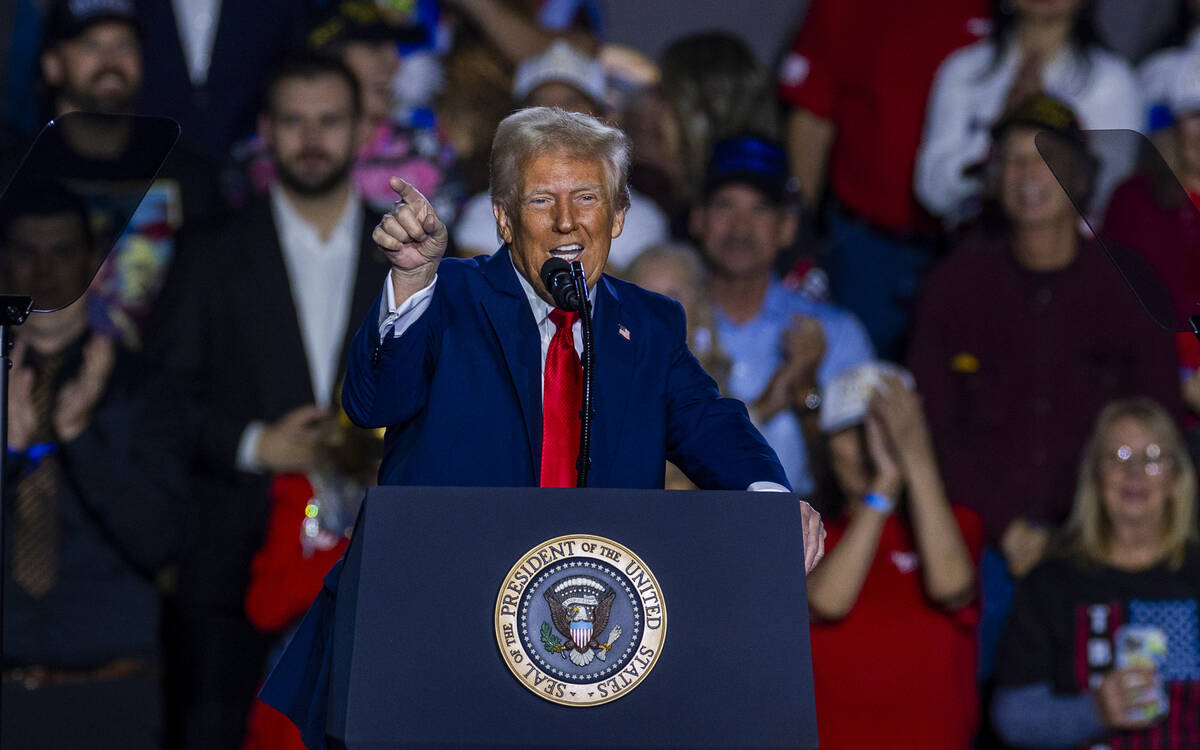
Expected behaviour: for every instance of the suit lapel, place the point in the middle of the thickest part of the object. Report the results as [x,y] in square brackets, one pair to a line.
[508,313]
[615,358]
[284,345]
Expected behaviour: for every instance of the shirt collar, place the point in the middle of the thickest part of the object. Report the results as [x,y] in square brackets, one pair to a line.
[293,227]
[541,308]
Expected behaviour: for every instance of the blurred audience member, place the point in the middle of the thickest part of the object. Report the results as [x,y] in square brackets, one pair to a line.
[836,96]
[260,384]
[1134,30]
[92,61]
[207,60]
[1150,215]
[676,271]
[1160,73]
[718,89]
[626,72]
[490,37]
[1008,326]
[658,165]
[520,29]
[894,604]
[1036,46]
[358,33]
[312,516]
[784,347]
[95,504]
[568,79]
[1101,650]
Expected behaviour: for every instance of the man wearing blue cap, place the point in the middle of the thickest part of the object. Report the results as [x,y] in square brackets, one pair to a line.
[784,345]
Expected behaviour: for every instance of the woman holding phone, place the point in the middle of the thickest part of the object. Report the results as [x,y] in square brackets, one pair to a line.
[1102,647]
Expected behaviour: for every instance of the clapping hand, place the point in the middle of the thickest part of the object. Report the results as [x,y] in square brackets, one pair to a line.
[803,345]
[79,396]
[898,410]
[73,406]
[1027,81]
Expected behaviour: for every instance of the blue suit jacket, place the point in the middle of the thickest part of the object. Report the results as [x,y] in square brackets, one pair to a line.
[460,391]
[460,394]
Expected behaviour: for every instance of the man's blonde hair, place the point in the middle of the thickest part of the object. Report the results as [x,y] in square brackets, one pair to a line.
[529,133]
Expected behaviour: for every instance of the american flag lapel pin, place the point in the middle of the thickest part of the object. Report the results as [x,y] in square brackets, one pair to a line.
[623,331]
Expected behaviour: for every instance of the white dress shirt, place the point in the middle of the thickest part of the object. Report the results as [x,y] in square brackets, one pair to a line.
[321,276]
[399,318]
[197,24]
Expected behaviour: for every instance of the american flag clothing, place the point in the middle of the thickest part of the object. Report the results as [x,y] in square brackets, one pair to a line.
[1063,627]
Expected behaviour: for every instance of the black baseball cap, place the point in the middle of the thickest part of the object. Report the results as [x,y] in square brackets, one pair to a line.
[749,159]
[68,19]
[1042,112]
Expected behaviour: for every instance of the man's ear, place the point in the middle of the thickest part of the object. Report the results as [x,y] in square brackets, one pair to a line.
[502,223]
[52,69]
[618,224]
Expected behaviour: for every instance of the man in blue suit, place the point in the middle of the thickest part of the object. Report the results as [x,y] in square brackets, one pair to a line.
[465,363]
[454,361]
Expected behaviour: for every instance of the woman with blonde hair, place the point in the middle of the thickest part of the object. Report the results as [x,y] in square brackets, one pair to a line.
[1103,643]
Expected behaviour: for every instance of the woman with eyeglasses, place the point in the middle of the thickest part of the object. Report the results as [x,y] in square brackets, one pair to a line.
[1102,647]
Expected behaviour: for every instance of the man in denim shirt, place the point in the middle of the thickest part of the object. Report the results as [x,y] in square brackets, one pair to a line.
[783,344]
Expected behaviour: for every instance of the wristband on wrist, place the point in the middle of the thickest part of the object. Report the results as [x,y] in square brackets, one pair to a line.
[880,502]
[33,454]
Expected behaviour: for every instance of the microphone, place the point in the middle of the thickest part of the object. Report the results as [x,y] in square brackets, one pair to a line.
[556,277]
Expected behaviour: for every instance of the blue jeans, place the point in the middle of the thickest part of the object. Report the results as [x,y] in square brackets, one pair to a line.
[876,276]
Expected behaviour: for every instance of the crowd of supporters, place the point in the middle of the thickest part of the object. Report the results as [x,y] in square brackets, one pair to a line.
[943,299]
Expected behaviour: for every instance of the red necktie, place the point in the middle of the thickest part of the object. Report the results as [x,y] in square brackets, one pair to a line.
[561,393]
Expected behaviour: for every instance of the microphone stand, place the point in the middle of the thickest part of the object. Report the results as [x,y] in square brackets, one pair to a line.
[586,413]
[14,309]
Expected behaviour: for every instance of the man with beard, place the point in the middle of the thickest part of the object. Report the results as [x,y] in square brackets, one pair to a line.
[784,346]
[253,321]
[92,61]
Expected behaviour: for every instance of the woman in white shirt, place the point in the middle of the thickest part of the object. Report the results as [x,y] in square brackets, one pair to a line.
[1045,46]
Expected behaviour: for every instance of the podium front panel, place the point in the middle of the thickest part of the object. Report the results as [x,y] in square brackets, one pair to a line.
[416,661]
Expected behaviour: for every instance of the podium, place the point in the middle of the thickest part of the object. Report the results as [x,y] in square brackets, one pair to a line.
[416,661]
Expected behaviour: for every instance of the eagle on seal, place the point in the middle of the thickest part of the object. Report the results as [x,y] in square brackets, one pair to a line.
[580,608]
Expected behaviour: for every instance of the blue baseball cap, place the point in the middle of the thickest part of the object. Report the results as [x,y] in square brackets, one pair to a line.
[749,159]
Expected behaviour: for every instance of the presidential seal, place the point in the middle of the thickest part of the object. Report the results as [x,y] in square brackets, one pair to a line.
[580,620]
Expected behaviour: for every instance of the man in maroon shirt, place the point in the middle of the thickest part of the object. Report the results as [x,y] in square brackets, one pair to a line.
[1019,340]
[856,81]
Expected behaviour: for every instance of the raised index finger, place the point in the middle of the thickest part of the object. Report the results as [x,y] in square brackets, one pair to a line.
[406,192]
